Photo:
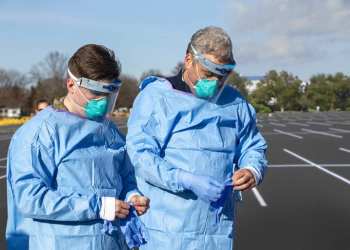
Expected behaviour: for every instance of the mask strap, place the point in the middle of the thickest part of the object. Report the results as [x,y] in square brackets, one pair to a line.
[76,86]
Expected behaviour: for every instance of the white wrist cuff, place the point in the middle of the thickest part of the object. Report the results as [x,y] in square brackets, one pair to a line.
[107,211]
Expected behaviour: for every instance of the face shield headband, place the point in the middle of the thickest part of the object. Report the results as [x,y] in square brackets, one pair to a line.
[102,87]
[218,69]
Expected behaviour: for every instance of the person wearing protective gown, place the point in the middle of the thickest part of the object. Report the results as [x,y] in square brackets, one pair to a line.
[69,178]
[195,146]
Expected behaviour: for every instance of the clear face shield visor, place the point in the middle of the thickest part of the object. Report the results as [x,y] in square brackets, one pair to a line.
[98,88]
[222,70]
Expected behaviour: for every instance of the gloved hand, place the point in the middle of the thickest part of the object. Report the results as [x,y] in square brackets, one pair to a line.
[205,187]
[134,230]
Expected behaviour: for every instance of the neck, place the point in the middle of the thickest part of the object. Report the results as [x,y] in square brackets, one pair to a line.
[72,106]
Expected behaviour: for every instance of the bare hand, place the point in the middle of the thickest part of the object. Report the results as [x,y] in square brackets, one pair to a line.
[243,179]
[141,204]
[121,209]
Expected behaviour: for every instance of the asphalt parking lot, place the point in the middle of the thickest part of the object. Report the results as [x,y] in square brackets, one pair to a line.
[303,203]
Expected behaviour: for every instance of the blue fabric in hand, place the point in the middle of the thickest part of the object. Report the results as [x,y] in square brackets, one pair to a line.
[220,203]
[134,230]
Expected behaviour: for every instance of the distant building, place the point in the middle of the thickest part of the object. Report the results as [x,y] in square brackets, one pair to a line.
[254,80]
[303,86]
[10,112]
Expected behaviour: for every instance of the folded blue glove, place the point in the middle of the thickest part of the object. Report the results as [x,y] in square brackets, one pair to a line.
[205,187]
[220,203]
[133,229]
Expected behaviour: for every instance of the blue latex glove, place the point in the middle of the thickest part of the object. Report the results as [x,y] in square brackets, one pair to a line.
[108,227]
[219,204]
[133,229]
[205,187]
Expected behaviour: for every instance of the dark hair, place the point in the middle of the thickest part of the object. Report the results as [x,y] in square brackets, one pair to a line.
[95,62]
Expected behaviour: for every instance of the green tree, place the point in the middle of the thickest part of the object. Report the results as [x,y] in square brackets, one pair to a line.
[278,91]
[342,91]
[238,82]
[329,92]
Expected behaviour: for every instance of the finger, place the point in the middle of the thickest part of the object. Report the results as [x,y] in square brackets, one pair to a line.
[238,174]
[242,180]
[124,205]
[142,207]
[244,186]
[141,201]
[119,203]
[122,211]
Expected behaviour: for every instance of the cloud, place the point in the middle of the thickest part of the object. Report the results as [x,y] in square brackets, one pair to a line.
[288,31]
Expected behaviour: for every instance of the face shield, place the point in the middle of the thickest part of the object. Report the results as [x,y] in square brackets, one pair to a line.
[222,70]
[98,88]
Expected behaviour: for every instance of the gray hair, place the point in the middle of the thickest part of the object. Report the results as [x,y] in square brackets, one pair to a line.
[214,41]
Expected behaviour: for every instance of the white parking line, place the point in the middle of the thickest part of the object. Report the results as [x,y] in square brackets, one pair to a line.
[3,176]
[320,123]
[345,150]
[318,166]
[259,197]
[287,133]
[299,124]
[321,133]
[277,124]
[340,130]
[306,165]
[338,123]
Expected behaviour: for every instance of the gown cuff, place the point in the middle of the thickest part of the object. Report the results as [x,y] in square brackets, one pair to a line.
[107,211]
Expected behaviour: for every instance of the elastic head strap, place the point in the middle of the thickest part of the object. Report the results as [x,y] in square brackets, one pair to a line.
[219,69]
[98,86]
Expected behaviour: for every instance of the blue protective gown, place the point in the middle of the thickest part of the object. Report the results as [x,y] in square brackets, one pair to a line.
[59,167]
[168,130]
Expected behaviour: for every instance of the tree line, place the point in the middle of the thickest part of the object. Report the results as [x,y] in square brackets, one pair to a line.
[277,91]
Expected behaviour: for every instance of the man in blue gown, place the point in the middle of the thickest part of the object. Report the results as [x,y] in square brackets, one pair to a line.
[194,143]
[68,174]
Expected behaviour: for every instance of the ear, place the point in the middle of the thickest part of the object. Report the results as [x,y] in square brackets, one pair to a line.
[70,85]
[188,61]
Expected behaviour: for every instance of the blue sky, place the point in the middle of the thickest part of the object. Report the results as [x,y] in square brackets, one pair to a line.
[303,37]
